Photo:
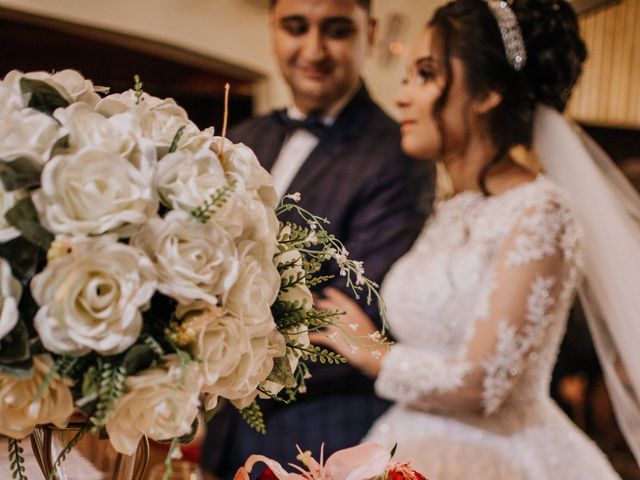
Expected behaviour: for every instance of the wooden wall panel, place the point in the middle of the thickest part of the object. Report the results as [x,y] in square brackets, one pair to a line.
[608,93]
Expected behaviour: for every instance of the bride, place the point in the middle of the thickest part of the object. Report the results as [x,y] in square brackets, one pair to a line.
[479,305]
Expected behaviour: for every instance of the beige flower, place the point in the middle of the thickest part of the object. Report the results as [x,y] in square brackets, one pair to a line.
[11,99]
[27,133]
[222,342]
[69,83]
[186,180]
[94,191]
[193,260]
[255,290]
[240,384]
[239,159]
[91,298]
[160,402]
[20,412]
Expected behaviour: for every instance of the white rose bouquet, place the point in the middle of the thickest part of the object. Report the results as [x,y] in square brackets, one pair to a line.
[143,267]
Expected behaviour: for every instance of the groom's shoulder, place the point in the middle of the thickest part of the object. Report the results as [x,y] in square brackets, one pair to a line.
[253,127]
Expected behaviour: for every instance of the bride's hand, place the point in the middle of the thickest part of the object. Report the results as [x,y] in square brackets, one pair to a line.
[364,353]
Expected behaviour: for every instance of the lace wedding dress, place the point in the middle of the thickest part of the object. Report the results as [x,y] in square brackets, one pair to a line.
[478,308]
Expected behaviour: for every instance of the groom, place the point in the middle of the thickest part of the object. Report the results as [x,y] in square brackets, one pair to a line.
[337,148]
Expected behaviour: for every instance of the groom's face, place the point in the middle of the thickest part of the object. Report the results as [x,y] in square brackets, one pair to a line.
[320,46]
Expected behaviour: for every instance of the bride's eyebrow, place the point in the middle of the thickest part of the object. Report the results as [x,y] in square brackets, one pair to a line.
[427,61]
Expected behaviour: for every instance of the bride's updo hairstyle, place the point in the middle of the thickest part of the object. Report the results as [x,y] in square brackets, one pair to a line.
[469,31]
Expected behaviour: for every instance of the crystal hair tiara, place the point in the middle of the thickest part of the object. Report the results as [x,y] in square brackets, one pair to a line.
[510,33]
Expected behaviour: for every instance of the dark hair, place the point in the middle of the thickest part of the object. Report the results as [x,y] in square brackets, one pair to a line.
[468,30]
[366,4]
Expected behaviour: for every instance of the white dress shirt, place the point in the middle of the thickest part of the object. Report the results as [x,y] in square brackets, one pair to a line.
[297,147]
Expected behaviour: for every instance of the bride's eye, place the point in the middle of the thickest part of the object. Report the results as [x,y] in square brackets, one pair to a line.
[424,75]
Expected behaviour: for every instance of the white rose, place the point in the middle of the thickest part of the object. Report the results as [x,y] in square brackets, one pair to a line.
[240,384]
[117,103]
[193,260]
[246,217]
[69,83]
[20,413]
[11,99]
[187,180]
[261,225]
[153,119]
[90,299]
[94,191]
[87,128]
[7,200]
[27,133]
[222,341]
[160,402]
[255,290]
[299,292]
[240,159]
[10,293]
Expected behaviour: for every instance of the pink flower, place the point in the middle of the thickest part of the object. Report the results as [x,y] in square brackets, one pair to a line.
[361,462]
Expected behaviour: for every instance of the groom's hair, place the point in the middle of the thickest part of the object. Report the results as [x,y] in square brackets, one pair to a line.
[366,4]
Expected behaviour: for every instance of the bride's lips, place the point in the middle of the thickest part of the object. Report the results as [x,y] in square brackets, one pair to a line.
[406,124]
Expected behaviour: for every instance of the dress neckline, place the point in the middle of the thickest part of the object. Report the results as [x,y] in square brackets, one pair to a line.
[473,195]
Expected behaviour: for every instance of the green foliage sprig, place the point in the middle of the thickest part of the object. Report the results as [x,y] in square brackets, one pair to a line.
[254,417]
[16,459]
[205,211]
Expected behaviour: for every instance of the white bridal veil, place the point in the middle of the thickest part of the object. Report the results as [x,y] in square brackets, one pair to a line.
[609,209]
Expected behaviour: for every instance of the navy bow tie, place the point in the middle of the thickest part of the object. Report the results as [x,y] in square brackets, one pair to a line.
[313,123]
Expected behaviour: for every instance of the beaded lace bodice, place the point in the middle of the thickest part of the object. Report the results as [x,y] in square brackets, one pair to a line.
[478,306]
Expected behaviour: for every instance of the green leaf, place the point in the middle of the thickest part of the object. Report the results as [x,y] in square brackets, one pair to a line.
[282,373]
[138,358]
[393,451]
[176,139]
[61,144]
[23,256]
[16,459]
[43,96]
[23,172]
[24,216]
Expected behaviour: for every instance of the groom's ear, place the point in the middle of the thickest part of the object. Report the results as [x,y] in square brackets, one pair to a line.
[486,102]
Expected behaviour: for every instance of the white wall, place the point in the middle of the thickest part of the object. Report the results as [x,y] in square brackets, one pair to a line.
[234,31]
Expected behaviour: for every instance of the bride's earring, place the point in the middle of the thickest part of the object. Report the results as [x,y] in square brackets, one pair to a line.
[444,184]
[525,158]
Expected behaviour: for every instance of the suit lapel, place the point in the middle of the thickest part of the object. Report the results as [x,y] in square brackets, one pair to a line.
[268,141]
[329,150]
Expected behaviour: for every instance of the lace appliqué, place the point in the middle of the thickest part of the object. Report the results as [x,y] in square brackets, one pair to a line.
[503,368]
[408,375]
[540,233]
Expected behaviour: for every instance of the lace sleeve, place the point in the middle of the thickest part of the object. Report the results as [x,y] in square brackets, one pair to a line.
[534,275]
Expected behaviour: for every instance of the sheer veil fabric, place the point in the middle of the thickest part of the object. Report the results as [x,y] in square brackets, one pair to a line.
[608,208]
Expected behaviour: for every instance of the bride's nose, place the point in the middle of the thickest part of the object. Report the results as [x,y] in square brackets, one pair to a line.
[402,97]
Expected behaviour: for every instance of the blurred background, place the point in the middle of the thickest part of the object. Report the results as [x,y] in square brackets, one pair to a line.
[189,49]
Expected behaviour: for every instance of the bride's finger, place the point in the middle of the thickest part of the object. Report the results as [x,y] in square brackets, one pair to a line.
[327,304]
[337,295]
